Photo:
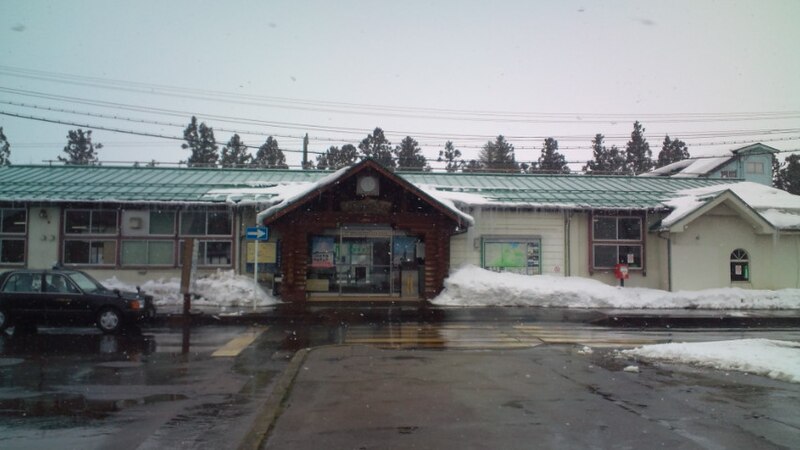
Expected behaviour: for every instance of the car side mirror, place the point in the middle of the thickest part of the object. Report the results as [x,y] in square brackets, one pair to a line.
[119,294]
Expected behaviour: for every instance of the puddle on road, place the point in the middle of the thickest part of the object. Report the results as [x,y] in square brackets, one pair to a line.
[73,407]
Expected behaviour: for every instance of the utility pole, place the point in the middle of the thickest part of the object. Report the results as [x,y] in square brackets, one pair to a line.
[305,152]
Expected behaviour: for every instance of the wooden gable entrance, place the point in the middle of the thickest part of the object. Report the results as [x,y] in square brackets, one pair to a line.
[365,235]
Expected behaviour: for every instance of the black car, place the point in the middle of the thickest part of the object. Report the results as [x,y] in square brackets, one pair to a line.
[68,297]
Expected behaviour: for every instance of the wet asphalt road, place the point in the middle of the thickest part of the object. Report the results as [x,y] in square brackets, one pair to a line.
[163,388]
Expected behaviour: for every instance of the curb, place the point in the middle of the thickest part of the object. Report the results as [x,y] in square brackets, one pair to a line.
[274,404]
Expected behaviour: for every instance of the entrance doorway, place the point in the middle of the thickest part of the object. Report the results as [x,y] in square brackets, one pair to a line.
[365,261]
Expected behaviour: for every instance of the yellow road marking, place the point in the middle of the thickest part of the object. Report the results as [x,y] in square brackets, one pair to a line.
[239,343]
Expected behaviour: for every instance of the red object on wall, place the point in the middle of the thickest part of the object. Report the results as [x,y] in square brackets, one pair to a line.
[621,271]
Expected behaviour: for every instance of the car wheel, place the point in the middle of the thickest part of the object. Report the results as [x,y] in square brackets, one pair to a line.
[4,320]
[109,320]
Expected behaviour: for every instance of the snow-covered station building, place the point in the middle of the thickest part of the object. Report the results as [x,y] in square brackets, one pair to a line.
[366,233]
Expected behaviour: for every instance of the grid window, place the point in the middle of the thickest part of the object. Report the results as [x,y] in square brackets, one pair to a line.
[162,222]
[755,167]
[617,240]
[90,222]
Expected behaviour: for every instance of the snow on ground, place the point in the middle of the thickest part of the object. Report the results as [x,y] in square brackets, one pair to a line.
[222,290]
[776,359]
[473,286]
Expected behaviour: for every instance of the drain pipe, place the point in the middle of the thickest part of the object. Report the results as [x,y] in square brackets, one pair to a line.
[567,242]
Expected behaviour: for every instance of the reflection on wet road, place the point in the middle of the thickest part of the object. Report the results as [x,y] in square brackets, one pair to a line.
[164,388]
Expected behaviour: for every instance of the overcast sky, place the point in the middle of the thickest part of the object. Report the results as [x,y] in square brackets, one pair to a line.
[707,72]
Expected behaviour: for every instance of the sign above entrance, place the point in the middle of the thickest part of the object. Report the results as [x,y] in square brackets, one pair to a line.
[257,233]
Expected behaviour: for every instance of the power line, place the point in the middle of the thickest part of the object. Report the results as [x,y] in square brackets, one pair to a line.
[519,147]
[391,111]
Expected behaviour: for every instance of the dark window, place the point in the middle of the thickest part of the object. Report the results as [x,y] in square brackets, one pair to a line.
[13,221]
[90,252]
[22,282]
[12,251]
[205,223]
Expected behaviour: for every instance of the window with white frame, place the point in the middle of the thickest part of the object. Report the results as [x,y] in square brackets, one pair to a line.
[617,240]
[740,265]
[13,229]
[727,174]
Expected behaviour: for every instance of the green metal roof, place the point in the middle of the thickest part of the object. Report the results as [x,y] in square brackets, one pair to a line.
[184,185]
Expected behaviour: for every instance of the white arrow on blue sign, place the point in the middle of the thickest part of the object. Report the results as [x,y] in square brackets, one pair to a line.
[257,233]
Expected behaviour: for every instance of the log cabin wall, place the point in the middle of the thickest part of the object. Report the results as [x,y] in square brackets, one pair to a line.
[396,208]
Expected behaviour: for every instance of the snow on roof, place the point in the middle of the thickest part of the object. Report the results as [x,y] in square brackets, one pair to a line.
[289,194]
[692,167]
[779,208]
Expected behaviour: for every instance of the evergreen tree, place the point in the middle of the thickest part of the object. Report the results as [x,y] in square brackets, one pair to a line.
[200,140]
[789,175]
[472,165]
[777,180]
[5,150]
[672,151]
[638,157]
[235,153]
[551,161]
[377,147]
[607,161]
[498,156]
[79,149]
[335,158]
[270,156]
[409,155]
[451,156]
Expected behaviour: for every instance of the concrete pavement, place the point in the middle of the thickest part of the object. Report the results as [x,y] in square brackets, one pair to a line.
[358,397]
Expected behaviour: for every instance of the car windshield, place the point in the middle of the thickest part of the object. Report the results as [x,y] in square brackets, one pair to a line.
[87,283]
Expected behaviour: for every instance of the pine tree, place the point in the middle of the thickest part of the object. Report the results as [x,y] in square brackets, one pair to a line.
[200,139]
[409,155]
[638,157]
[270,155]
[235,153]
[790,175]
[672,151]
[5,150]
[551,161]
[377,147]
[777,180]
[607,161]
[335,158]
[498,156]
[451,156]
[79,149]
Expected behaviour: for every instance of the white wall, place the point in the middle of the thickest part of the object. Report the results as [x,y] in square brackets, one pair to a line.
[43,235]
[701,254]
[548,226]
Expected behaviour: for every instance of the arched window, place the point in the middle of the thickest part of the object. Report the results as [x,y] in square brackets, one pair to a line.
[740,265]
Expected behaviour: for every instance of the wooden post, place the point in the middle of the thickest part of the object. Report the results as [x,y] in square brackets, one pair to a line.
[186,274]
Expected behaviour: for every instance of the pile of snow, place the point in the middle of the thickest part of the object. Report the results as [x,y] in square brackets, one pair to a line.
[776,359]
[222,289]
[473,286]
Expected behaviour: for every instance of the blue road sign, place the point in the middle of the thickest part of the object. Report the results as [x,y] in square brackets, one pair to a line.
[257,233]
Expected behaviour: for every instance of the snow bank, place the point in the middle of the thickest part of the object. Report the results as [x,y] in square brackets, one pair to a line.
[223,289]
[776,359]
[473,286]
